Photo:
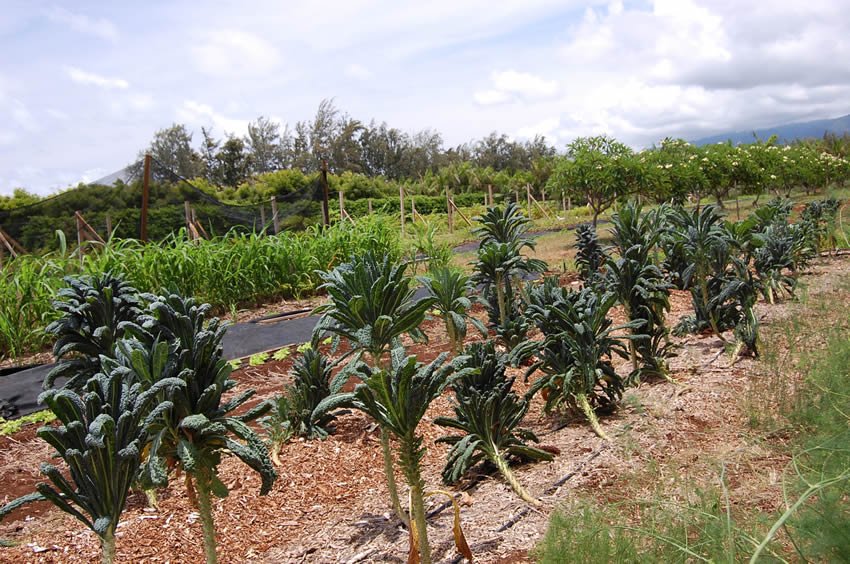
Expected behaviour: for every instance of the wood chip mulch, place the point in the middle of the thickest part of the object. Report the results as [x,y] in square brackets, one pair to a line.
[330,502]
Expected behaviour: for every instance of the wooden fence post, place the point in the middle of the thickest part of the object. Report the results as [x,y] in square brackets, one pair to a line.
[88,232]
[79,235]
[490,193]
[196,225]
[15,248]
[541,208]
[449,211]
[188,216]
[275,217]
[146,191]
[528,198]
[466,219]
[326,212]
[341,206]
[401,206]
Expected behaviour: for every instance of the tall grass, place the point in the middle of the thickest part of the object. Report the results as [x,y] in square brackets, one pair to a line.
[235,269]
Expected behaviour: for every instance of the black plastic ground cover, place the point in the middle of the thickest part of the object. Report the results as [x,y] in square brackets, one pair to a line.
[21,389]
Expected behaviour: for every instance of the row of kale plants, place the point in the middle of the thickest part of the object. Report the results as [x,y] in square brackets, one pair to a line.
[724,265]
[143,375]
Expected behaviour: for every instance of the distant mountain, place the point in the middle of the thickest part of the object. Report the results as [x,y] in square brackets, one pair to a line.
[786,133]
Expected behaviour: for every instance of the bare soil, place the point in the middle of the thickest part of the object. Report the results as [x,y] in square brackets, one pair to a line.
[330,501]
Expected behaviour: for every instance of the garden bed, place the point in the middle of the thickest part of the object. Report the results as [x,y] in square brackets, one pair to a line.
[330,502]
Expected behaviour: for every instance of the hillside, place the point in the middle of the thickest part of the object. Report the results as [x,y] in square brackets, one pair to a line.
[786,132]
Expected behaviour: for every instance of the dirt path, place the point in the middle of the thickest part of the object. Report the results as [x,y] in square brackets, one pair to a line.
[330,502]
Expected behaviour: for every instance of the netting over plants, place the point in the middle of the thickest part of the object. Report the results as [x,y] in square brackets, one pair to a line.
[115,202]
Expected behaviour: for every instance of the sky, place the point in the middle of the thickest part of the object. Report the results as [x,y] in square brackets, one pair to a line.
[85,84]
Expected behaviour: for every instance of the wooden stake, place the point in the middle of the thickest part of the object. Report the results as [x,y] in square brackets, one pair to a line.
[543,195]
[88,231]
[326,212]
[77,217]
[461,213]
[4,246]
[199,229]
[108,227]
[450,211]
[146,191]
[275,217]
[341,206]
[564,200]
[10,243]
[528,198]
[369,203]
[490,192]
[188,216]
[541,208]
[413,213]
[401,206]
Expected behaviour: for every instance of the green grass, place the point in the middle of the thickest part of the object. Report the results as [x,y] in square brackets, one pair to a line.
[803,389]
[236,269]
[15,425]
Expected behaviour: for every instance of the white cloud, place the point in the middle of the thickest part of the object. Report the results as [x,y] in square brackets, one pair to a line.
[21,115]
[98,27]
[490,97]
[229,52]
[198,114]
[57,114]
[91,79]
[524,84]
[511,85]
[358,71]
[546,128]
[140,101]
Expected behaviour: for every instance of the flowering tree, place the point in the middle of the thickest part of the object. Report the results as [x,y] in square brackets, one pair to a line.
[596,170]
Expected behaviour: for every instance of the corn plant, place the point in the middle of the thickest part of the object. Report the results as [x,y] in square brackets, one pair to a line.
[426,248]
[225,270]
[295,412]
[450,289]
[590,256]
[200,428]
[396,397]
[371,305]
[575,353]
[102,434]
[488,414]
[93,308]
